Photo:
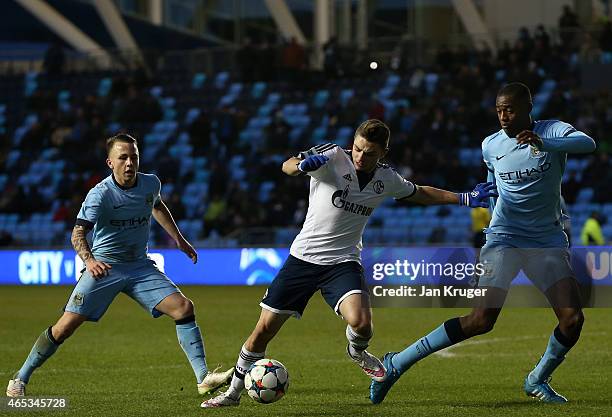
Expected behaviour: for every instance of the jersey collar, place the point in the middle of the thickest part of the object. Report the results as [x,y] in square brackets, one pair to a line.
[121,186]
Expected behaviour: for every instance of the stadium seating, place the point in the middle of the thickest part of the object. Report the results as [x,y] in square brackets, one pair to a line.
[184,97]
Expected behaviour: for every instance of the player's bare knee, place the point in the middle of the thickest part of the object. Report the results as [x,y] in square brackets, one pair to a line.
[360,320]
[479,324]
[186,308]
[66,326]
[572,323]
[61,331]
[363,326]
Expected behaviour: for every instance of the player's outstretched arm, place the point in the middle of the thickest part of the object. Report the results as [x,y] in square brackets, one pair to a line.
[574,142]
[162,215]
[433,196]
[96,268]
[296,166]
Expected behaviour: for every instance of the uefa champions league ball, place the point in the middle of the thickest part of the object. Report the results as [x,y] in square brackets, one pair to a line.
[266,381]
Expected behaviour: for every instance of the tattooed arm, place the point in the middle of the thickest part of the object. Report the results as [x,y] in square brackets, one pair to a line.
[96,268]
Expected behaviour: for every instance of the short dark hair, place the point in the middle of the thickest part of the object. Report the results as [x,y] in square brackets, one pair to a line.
[119,137]
[373,130]
[516,90]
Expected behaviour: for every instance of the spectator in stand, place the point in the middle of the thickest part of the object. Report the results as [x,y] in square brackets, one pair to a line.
[278,133]
[589,50]
[214,216]
[199,135]
[591,234]
[605,38]
[330,58]
[139,107]
[568,28]
[377,109]
[6,239]
[246,55]
[55,59]
[571,187]
[293,60]
[480,220]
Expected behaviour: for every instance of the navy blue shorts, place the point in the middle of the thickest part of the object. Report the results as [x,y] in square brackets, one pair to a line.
[298,280]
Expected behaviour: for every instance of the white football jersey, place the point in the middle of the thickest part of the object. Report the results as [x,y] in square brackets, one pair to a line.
[338,210]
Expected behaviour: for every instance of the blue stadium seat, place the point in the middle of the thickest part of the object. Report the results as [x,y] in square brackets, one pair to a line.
[585,195]
[235,89]
[606,209]
[265,109]
[319,134]
[258,89]
[264,191]
[607,233]
[169,114]
[259,122]
[345,95]
[220,79]
[182,138]
[320,98]
[200,163]
[198,80]
[431,82]
[167,102]
[156,91]
[31,83]
[273,99]
[572,164]
[344,136]
[104,86]
[386,92]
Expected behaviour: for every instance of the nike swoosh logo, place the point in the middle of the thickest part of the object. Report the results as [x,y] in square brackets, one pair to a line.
[119,206]
[499,157]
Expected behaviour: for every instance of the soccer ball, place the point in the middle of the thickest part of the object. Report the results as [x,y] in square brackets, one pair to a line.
[266,381]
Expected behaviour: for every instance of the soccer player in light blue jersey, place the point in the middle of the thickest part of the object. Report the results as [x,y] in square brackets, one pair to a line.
[119,210]
[526,160]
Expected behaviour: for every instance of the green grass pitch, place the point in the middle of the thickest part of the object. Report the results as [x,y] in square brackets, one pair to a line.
[131,365]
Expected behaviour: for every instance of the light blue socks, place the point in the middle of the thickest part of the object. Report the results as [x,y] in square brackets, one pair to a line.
[190,339]
[42,350]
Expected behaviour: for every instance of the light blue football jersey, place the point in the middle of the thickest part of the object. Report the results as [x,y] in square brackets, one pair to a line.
[528,182]
[120,217]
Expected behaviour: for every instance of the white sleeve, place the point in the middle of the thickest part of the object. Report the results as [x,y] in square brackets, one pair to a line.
[401,188]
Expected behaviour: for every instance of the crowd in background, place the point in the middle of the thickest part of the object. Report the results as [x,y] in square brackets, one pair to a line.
[428,129]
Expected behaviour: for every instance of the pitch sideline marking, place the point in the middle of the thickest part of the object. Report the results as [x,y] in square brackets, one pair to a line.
[448,352]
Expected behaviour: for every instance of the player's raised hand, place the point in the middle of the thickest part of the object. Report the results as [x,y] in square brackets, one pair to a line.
[312,163]
[480,196]
[186,247]
[97,269]
[527,137]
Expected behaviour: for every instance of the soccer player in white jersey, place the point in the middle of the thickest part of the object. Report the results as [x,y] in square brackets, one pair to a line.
[526,159]
[119,210]
[345,188]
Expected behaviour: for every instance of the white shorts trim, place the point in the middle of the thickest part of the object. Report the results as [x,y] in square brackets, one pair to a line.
[351,292]
[277,311]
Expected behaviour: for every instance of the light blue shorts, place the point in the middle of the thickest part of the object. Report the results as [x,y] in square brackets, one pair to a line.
[140,280]
[543,260]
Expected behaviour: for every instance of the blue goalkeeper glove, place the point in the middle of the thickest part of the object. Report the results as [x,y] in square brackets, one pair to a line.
[480,196]
[312,163]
